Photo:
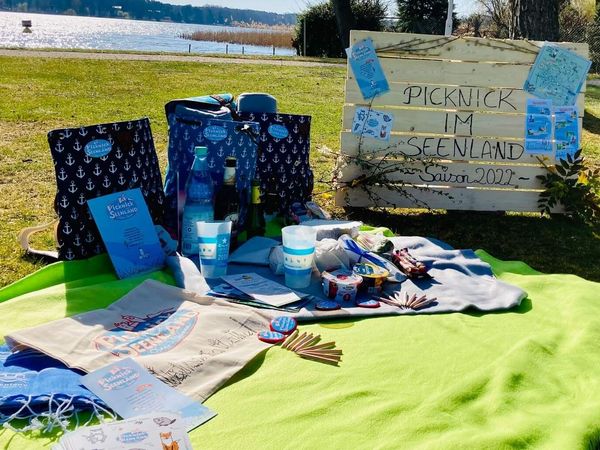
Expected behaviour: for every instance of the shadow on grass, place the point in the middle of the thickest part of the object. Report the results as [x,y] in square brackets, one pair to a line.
[591,122]
[550,245]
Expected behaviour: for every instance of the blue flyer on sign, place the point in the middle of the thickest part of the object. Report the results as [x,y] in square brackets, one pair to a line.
[538,126]
[566,131]
[130,390]
[367,69]
[558,75]
[126,227]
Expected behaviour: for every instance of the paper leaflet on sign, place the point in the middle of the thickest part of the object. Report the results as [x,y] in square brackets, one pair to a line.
[370,123]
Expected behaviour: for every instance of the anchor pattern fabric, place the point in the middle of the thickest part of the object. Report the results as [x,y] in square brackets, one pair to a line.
[97,160]
[222,138]
[283,164]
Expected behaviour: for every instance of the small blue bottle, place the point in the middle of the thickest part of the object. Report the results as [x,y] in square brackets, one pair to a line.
[198,202]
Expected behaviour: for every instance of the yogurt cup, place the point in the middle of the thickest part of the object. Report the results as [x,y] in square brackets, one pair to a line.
[373,277]
[341,284]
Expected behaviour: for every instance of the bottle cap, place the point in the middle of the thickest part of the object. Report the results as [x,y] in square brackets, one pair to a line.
[230,161]
[200,151]
[271,337]
[283,324]
[368,304]
[327,305]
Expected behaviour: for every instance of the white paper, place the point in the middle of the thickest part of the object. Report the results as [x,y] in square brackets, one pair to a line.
[261,289]
[153,431]
[370,123]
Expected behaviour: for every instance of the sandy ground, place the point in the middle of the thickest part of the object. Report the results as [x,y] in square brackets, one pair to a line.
[159,57]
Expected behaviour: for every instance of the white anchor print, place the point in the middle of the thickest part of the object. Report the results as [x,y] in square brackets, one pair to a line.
[186,135]
[296,129]
[116,126]
[64,202]
[106,182]
[80,172]
[138,163]
[283,178]
[81,200]
[247,164]
[89,238]
[134,177]
[72,187]
[77,240]
[211,163]
[270,148]
[74,214]
[132,152]
[110,139]
[70,161]
[300,140]
[90,185]
[289,139]
[288,159]
[293,171]
[58,148]
[69,254]
[87,159]
[229,140]
[264,117]
[244,153]
[262,158]
[83,132]
[126,166]
[62,175]
[67,228]
[282,149]
[276,159]
[66,134]
[220,152]
[119,153]
[100,129]
[301,119]
[139,125]
[263,137]
[241,141]
[136,137]
[97,171]
[112,168]
[142,150]
[77,146]
[144,175]
[121,180]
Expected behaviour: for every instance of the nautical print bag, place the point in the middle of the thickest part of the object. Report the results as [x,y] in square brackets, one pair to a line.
[283,164]
[98,160]
[191,125]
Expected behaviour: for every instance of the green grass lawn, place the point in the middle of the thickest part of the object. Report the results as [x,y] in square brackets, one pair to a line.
[38,95]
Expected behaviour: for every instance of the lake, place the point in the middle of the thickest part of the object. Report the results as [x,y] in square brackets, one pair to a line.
[67,32]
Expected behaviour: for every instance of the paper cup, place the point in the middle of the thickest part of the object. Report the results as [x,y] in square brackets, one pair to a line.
[298,255]
[213,247]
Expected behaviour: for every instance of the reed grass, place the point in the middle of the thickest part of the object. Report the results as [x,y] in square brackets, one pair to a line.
[265,38]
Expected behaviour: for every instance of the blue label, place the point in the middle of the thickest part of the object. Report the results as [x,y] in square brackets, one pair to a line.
[118,378]
[278,131]
[291,271]
[98,148]
[122,208]
[298,251]
[215,133]
[132,437]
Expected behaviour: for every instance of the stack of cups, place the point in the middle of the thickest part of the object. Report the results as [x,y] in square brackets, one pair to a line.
[298,255]
[213,243]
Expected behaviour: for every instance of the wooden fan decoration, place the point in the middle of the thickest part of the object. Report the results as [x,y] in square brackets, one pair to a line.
[408,302]
[306,345]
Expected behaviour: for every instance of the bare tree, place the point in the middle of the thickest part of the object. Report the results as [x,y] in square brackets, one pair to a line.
[500,14]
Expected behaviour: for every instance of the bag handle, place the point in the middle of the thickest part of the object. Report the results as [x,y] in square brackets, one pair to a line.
[25,237]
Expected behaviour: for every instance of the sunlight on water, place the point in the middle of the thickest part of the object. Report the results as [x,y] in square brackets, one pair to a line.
[53,31]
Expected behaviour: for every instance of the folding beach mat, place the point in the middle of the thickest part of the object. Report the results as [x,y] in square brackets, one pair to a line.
[527,377]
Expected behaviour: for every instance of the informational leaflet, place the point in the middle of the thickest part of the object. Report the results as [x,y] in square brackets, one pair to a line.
[371,123]
[558,74]
[538,126]
[262,289]
[367,69]
[160,430]
[128,233]
[130,390]
[566,131]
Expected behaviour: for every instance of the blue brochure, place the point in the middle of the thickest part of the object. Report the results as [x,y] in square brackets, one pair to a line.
[128,232]
[130,390]
[558,74]
[538,126]
[367,69]
[566,125]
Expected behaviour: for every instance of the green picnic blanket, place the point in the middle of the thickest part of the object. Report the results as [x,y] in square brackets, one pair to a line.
[526,377]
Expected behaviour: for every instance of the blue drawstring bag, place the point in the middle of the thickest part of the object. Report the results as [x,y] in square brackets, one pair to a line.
[42,390]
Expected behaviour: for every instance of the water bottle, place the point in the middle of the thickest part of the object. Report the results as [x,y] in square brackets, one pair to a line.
[198,202]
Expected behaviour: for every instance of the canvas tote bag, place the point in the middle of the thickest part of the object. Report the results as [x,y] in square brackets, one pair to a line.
[191,342]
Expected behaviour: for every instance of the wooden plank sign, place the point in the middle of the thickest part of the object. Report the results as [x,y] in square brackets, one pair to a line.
[457,139]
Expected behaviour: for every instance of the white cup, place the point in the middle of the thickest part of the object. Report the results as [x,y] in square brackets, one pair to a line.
[298,254]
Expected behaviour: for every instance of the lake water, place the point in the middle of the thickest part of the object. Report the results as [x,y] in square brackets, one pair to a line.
[66,32]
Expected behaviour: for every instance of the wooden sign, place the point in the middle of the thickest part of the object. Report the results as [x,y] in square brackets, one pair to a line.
[458,103]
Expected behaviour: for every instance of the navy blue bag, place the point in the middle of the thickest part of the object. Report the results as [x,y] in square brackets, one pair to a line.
[201,122]
[283,165]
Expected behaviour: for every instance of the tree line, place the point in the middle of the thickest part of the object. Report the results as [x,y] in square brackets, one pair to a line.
[150,10]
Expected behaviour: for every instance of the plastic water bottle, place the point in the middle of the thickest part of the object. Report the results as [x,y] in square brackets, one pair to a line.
[198,202]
